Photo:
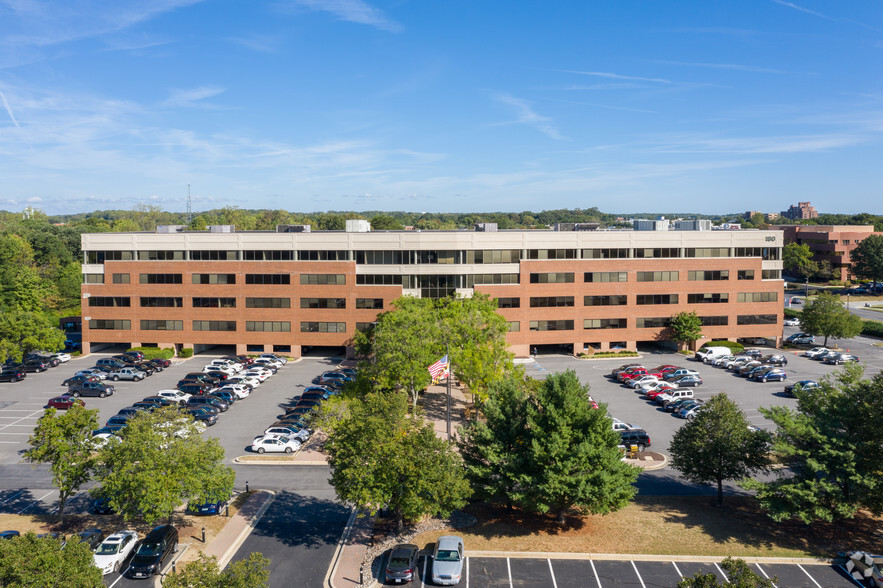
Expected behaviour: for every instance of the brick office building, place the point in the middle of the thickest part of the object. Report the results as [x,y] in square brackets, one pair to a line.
[832,243]
[263,290]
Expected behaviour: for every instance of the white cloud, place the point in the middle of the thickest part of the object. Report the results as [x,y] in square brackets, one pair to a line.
[616,76]
[729,66]
[8,110]
[190,97]
[356,11]
[527,116]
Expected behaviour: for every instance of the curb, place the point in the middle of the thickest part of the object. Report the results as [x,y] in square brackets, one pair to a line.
[249,526]
[650,466]
[237,461]
[335,559]
[645,557]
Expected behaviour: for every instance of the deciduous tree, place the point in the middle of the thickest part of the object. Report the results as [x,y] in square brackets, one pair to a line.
[867,259]
[64,441]
[251,572]
[717,445]
[22,332]
[686,327]
[36,562]
[797,258]
[826,316]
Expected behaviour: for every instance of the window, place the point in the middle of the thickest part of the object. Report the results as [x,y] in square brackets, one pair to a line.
[552,278]
[110,324]
[102,256]
[708,275]
[765,253]
[268,326]
[551,253]
[606,253]
[214,325]
[372,303]
[653,322]
[493,279]
[120,278]
[551,325]
[162,302]
[214,278]
[93,278]
[658,277]
[254,348]
[374,280]
[364,327]
[323,279]
[658,252]
[109,301]
[268,303]
[214,255]
[160,325]
[381,257]
[745,275]
[771,274]
[482,256]
[275,279]
[714,321]
[311,327]
[707,252]
[656,299]
[605,277]
[160,278]
[205,302]
[618,323]
[846,241]
[550,301]
[508,302]
[756,319]
[619,300]
[281,348]
[440,256]
[322,255]
[160,256]
[716,298]
[323,302]
[757,297]
[267,255]
[514,326]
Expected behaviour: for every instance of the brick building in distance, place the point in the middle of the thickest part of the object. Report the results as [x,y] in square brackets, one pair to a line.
[803,211]
[293,288]
[832,243]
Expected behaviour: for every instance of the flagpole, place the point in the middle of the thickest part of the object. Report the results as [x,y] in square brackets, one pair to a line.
[450,375]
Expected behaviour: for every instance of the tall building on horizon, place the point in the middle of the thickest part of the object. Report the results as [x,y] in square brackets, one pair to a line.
[802,211]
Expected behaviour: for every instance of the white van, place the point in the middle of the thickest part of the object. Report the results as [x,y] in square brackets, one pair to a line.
[706,354]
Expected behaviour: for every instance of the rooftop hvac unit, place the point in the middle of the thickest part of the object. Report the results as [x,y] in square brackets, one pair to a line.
[170,228]
[221,228]
[292,228]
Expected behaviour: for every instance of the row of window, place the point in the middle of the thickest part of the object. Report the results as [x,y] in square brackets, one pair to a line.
[275,279]
[433,256]
[640,299]
[221,302]
[647,322]
[222,326]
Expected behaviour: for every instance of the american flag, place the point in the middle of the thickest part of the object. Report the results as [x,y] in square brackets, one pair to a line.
[439,368]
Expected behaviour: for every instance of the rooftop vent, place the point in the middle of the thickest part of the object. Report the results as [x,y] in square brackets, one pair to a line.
[170,228]
[486,227]
[358,226]
[293,228]
[576,226]
[221,228]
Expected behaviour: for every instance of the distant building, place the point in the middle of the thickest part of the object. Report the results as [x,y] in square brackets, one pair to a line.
[832,243]
[803,210]
[750,214]
[771,216]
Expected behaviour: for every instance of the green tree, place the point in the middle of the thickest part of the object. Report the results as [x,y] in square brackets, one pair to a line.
[826,316]
[686,327]
[385,222]
[797,258]
[867,259]
[39,562]
[573,462]
[251,572]
[161,462]
[494,449]
[332,222]
[64,441]
[717,445]
[830,447]
[22,332]
[382,457]
[739,575]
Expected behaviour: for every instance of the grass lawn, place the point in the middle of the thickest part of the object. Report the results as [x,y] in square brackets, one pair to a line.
[663,525]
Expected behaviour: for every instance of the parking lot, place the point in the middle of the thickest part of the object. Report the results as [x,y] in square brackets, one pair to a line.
[621,573]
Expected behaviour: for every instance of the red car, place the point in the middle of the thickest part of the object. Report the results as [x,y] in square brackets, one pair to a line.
[631,373]
[627,376]
[64,402]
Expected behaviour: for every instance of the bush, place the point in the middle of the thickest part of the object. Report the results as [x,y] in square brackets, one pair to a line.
[603,354]
[731,345]
[873,329]
[791,313]
[186,353]
[155,352]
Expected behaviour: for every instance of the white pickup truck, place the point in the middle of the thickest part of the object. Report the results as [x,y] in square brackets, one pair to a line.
[128,373]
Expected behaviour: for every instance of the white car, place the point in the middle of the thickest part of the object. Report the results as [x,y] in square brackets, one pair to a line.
[174,396]
[302,434]
[258,372]
[638,382]
[63,357]
[275,444]
[226,369]
[250,381]
[224,363]
[652,386]
[619,425]
[267,361]
[816,352]
[274,357]
[110,555]
[791,322]
[722,360]
[92,372]
[239,390]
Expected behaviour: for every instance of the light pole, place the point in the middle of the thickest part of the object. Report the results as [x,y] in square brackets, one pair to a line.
[847,301]
[806,292]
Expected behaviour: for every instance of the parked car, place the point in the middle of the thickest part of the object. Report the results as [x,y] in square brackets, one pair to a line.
[176,396]
[35,365]
[294,432]
[660,385]
[194,388]
[401,565]
[280,358]
[101,505]
[635,438]
[207,508]
[308,402]
[128,373]
[114,550]
[159,364]
[134,355]
[774,360]
[12,374]
[209,401]
[622,368]
[203,414]
[840,359]
[239,391]
[791,322]
[692,380]
[99,389]
[680,372]
[755,371]
[64,402]
[801,339]
[689,411]
[242,380]
[638,382]
[292,420]
[447,560]
[275,444]
[299,411]
[772,374]
[268,362]
[802,385]
[619,425]
[815,352]
[118,420]
[153,551]
[676,405]
[258,372]
[315,395]
[91,537]
[159,401]
[224,395]
[131,411]
[109,362]
[672,395]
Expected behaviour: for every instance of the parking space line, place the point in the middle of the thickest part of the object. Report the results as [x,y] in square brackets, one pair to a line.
[509,570]
[552,572]
[21,419]
[467,572]
[677,570]
[723,575]
[12,497]
[810,577]
[597,579]
[845,571]
[640,579]
[35,502]
[762,571]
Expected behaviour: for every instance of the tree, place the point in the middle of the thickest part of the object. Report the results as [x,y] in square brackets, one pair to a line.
[825,271]
[797,258]
[739,575]
[867,259]
[686,327]
[494,449]
[64,441]
[385,222]
[830,446]
[381,457]
[572,459]
[160,462]
[826,316]
[22,332]
[36,562]
[717,445]
[251,572]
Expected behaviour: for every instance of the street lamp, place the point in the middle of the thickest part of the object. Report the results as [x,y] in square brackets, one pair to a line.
[806,292]
[847,300]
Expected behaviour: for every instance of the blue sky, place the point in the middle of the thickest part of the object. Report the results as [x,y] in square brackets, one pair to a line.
[442,105]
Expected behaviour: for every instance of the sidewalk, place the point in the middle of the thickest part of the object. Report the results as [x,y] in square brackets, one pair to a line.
[224,546]
[346,571]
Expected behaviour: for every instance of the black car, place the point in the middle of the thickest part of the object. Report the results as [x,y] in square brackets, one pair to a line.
[203,414]
[297,421]
[35,365]
[159,363]
[99,389]
[159,401]
[131,411]
[118,420]
[402,563]
[134,355]
[201,376]
[153,551]
[635,438]
[91,537]
[79,379]
[315,396]
[193,388]
[312,403]
[101,505]
[210,401]
[9,534]
[228,397]
[12,374]
[219,376]
[49,360]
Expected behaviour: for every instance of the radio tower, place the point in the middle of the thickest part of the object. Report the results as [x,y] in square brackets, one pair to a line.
[189,208]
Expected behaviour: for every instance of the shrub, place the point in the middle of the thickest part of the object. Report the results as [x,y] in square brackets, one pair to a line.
[603,354]
[155,352]
[186,353]
[791,313]
[873,329]
[731,345]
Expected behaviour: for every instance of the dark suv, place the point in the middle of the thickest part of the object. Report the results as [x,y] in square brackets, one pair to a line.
[635,438]
[12,374]
[153,551]
[99,389]
[211,401]
[35,365]
[193,388]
